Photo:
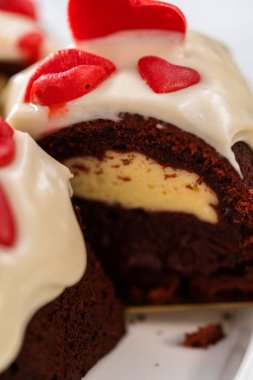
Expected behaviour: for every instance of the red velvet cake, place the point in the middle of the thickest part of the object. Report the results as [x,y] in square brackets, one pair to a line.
[205,336]
[56,318]
[156,124]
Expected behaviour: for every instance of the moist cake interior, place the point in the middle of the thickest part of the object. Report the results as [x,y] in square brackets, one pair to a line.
[157,255]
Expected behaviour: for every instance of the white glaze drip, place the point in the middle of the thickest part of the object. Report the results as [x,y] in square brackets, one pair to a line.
[49,254]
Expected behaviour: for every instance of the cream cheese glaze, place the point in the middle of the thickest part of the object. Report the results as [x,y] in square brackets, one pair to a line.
[12,28]
[134,181]
[49,254]
[219,109]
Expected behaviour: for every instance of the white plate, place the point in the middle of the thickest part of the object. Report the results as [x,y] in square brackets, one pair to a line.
[151,350]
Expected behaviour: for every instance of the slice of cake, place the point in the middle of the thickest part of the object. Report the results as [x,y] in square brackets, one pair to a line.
[156,124]
[22,41]
[58,313]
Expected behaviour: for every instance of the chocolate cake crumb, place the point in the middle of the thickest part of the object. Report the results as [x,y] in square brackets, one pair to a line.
[205,336]
[81,168]
[141,317]
[194,188]
[199,181]
[168,176]
[125,179]
[125,162]
[227,316]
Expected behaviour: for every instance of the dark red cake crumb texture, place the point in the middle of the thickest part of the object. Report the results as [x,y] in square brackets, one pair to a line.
[68,336]
[204,337]
[168,257]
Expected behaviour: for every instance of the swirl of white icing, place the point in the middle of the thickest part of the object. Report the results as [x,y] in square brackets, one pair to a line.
[49,254]
[219,109]
[12,27]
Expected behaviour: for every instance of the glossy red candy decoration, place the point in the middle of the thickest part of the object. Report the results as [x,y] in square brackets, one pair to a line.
[7,223]
[66,75]
[23,7]
[30,45]
[98,18]
[7,145]
[164,77]
[60,88]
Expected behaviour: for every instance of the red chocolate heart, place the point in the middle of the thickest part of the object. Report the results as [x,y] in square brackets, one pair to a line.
[30,45]
[98,18]
[70,73]
[7,144]
[7,223]
[23,7]
[164,77]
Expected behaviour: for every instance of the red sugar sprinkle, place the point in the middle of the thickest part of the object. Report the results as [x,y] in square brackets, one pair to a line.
[7,223]
[104,17]
[23,7]
[164,77]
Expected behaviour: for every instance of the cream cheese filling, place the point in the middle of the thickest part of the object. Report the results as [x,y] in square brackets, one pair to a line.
[134,181]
